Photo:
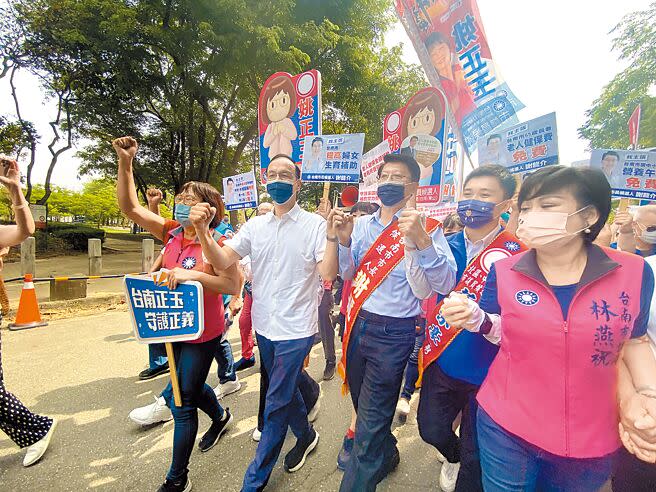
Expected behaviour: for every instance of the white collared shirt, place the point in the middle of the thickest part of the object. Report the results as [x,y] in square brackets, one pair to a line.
[476,247]
[284,256]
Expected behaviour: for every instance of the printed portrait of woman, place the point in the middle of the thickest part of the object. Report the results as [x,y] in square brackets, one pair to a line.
[452,78]
[280,98]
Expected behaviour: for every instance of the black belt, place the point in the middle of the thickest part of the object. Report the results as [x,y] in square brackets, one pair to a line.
[379,318]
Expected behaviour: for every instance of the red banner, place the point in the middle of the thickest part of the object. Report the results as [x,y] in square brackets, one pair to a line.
[634,127]
[438,333]
[383,256]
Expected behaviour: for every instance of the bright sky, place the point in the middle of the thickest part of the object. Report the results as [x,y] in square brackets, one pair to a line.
[555,56]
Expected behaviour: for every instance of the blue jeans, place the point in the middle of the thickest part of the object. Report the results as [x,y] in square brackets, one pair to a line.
[225,369]
[156,355]
[511,464]
[377,354]
[412,369]
[283,362]
[193,361]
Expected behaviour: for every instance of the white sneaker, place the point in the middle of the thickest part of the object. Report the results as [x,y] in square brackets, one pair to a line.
[257,435]
[314,411]
[449,476]
[38,449]
[402,409]
[152,414]
[227,388]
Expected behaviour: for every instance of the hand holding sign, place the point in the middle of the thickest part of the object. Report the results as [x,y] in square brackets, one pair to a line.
[624,220]
[178,275]
[201,216]
[343,226]
[324,208]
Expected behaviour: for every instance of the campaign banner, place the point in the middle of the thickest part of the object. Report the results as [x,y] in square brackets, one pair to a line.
[372,160]
[289,109]
[368,193]
[521,148]
[162,315]
[418,129]
[450,41]
[240,191]
[333,158]
[39,214]
[630,173]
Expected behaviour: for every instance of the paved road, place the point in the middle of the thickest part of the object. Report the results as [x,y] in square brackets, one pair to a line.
[83,372]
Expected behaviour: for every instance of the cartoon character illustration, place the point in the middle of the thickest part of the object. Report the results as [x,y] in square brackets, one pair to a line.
[423,116]
[280,97]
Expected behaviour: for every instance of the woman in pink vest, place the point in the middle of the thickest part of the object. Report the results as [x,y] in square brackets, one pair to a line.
[184,259]
[563,313]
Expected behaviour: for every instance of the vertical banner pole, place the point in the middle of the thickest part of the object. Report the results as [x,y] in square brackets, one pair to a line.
[177,397]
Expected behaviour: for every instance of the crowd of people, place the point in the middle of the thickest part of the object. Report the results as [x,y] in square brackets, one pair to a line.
[548,383]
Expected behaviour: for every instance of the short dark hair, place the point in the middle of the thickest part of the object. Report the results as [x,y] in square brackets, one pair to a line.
[317,139]
[285,156]
[230,180]
[414,137]
[589,186]
[436,38]
[611,153]
[494,135]
[506,180]
[405,159]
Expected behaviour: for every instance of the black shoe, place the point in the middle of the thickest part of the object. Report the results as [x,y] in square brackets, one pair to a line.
[329,372]
[153,373]
[242,363]
[295,459]
[214,433]
[391,465]
[182,485]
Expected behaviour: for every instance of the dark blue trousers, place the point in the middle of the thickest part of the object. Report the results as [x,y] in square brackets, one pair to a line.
[193,361]
[283,362]
[377,354]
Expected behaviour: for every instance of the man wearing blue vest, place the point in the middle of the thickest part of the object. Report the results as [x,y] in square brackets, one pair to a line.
[450,384]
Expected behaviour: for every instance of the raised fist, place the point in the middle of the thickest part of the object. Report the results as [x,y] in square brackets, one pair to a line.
[125,147]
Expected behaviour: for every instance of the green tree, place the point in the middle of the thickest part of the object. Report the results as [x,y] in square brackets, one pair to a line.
[184,77]
[606,125]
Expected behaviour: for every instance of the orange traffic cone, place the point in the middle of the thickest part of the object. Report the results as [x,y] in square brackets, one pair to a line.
[28,309]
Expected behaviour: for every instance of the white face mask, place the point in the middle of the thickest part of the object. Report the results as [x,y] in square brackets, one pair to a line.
[648,236]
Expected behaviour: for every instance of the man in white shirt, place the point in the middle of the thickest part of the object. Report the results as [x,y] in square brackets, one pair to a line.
[289,249]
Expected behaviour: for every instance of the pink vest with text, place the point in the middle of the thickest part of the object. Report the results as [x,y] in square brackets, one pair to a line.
[191,258]
[553,382]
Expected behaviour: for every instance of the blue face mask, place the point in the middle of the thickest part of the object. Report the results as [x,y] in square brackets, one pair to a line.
[280,191]
[181,214]
[391,193]
[475,213]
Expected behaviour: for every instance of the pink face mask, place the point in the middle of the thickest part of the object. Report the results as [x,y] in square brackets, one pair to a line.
[540,228]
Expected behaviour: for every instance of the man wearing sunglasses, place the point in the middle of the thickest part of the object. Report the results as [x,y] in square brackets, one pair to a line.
[638,230]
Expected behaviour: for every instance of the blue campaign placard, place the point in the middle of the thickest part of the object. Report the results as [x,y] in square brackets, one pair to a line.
[163,315]
[522,148]
[333,158]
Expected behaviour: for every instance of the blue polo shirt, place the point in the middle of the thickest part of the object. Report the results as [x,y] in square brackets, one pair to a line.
[469,355]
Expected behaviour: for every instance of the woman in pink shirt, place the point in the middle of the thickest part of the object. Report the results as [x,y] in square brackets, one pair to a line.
[185,260]
[563,313]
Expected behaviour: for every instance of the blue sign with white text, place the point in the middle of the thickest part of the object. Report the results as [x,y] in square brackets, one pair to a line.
[160,314]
